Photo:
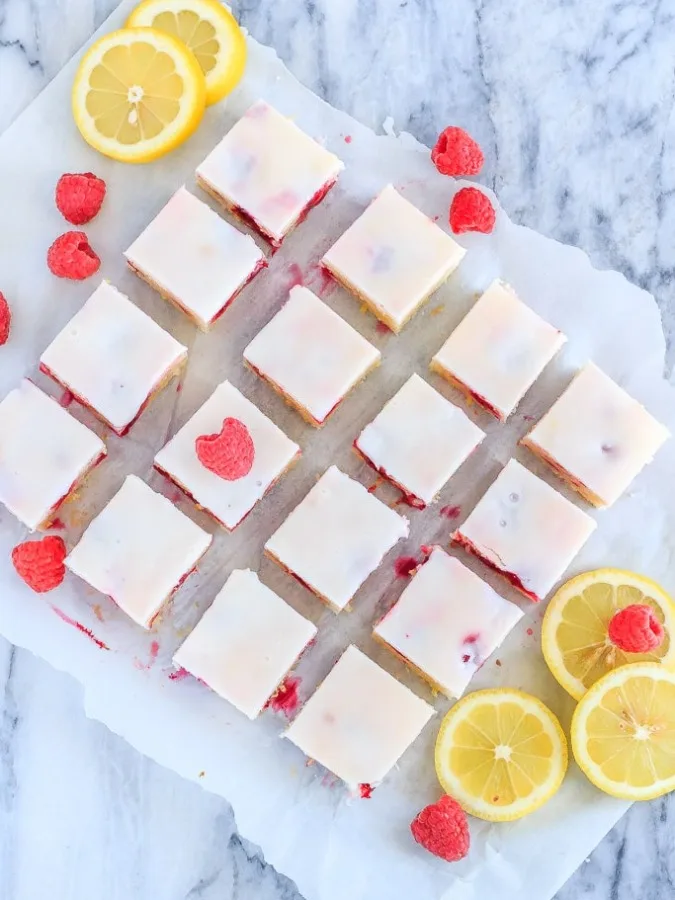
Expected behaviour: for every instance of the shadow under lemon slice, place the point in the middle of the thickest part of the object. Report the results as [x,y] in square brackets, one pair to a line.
[575,638]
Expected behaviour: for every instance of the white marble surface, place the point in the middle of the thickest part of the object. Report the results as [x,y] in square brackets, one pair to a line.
[573,103]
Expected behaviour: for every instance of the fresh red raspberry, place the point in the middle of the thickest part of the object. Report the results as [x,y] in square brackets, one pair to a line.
[443,830]
[5,319]
[70,256]
[456,153]
[40,563]
[635,629]
[471,210]
[79,197]
[228,454]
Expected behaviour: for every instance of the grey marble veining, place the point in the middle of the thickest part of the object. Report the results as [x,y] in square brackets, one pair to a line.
[572,102]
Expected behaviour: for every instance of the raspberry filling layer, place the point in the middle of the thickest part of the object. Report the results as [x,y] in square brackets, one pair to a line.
[121,432]
[260,265]
[291,400]
[253,223]
[511,577]
[80,478]
[566,476]
[407,498]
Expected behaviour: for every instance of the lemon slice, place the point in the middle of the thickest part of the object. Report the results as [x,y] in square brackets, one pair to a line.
[209,30]
[623,732]
[138,94]
[501,754]
[574,635]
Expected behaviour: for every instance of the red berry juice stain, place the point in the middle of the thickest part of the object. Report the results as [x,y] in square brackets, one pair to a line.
[66,399]
[469,641]
[179,387]
[348,139]
[383,328]
[530,632]
[178,674]
[154,652]
[57,525]
[296,277]
[404,566]
[325,283]
[528,418]
[375,485]
[451,512]
[286,699]
[366,791]
[80,627]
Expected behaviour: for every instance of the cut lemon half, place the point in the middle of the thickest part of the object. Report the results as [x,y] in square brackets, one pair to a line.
[501,754]
[138,94]
[623,732]
[574,634]
[209,30]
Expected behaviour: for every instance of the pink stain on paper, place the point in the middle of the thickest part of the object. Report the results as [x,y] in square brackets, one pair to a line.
[152,658]
[286,699]
[80,627]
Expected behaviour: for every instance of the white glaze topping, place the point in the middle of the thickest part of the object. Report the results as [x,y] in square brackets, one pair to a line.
[228,501]
[138,549]
[447,622]
[526,529]
[43,452]
[245,643]
[112,355]
[269,168]
[599,434]
[336,537]
[419,439]
[394,256]
[360,721]
[500,348]
[191,253]
[312,354]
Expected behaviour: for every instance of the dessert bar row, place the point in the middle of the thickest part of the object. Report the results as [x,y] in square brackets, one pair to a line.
[114,358]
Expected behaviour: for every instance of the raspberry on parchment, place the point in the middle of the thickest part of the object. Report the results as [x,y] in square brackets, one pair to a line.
[40,563]
[471,210]
[71,256]
[443,830]
[5,319]
[79,197]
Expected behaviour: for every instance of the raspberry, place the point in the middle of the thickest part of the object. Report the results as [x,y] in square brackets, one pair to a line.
[471,210]
[456,153]
[228,454]
[40,563]
[70,256]
[5,319]
[79,197]
[443,830]
[635,629]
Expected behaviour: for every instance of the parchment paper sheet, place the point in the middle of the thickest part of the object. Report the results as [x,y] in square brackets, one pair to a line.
[334,847]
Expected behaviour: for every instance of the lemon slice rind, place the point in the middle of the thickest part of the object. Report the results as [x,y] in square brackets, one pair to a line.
[191,100]
[453,784]
[216,40]
[591,702]
[627,587]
